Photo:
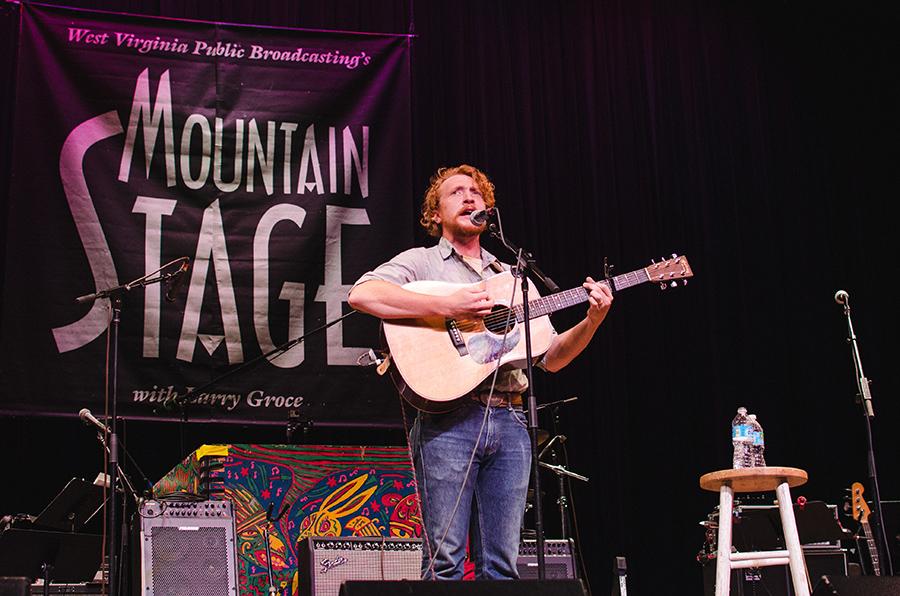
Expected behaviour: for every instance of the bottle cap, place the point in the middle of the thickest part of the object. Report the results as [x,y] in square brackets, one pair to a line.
[751,416]
[742,410]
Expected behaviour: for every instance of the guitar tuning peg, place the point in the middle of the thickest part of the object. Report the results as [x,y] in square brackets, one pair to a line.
[653,261]
[674,256]
[662,285]
[684,282]
[674,284]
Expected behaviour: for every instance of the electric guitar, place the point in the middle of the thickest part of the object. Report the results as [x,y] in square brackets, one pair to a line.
[438,361]
[861,514]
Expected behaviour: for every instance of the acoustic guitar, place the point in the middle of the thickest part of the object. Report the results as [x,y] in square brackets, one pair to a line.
[438,361]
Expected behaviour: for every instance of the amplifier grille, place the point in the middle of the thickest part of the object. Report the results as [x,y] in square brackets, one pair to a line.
[189,562]
[552,570]
[325,563]
[188,549]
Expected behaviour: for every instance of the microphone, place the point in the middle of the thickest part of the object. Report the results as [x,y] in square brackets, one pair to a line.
[480,217]
[87,297]
[88,418]
[177,280]
[841,297]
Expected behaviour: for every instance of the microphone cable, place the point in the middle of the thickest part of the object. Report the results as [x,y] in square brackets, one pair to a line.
[433,555]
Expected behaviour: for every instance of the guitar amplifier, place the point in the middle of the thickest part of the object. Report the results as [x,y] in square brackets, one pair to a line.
[325,563]
[559,559]
[188,548]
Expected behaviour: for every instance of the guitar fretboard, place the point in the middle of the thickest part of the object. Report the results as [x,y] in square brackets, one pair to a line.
[554,302]
[873,549]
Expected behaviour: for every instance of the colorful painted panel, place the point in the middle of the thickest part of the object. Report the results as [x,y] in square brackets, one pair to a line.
[318,490]
[198,476]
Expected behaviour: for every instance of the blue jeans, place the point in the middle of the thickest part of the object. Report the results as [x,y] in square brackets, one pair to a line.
[493,499]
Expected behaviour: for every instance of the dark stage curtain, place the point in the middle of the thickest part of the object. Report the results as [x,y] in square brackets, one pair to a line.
[758,139]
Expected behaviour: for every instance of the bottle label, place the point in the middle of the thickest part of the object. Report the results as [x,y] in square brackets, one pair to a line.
[742,432]
[759,438]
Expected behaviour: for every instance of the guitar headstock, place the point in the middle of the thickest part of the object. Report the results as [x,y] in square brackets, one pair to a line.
[667,272]
[858,503]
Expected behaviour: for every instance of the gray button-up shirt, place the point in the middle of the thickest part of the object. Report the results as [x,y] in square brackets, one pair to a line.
[443,263]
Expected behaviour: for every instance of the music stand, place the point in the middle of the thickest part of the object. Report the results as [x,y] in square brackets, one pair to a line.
[73,507]
[74,557]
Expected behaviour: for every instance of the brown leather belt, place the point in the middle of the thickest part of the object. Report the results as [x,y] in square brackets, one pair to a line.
[500,399]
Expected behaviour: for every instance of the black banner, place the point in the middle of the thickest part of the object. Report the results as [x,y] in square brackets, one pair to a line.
[275,160]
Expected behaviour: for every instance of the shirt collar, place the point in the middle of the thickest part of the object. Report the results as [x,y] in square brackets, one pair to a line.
[445,249]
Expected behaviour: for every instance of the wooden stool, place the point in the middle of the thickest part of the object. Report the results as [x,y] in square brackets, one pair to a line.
[751,480]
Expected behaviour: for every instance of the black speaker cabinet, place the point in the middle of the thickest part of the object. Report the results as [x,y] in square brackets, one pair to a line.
[188,548]
[475,588]
[325,563]
[559,560]
[858,586]
[776,580]
[14,586]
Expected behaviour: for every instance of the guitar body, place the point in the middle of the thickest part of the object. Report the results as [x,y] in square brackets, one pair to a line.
[438,361]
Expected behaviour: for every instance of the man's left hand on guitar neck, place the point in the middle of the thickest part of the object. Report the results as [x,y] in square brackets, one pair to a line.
[600,299]
[567,345]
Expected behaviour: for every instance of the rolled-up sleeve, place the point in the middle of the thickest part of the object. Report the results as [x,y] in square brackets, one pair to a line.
[402,269]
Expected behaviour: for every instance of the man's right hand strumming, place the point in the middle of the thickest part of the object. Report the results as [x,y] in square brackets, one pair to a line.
[471,301]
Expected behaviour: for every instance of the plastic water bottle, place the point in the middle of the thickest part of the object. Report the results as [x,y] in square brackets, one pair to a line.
[759,442]
[742,440]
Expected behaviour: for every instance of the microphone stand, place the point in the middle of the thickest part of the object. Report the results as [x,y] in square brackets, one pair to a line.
[128,485]
[112,372]
[864,397]
[563,471]
[562,499]
[560,470]
[525,263]
[272,590]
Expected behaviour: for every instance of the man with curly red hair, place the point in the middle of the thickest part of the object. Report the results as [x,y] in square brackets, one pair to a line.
[472,464]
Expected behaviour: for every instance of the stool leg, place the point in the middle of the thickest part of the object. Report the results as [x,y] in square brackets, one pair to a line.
[723,552]
[799,576]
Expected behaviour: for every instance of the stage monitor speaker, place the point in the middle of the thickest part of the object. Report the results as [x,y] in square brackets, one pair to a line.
[565,587]
[325,563]
[188,548]
[559,560]
[865,585]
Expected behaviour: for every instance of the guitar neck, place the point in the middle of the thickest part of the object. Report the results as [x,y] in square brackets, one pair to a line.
[873,548]
[554,302]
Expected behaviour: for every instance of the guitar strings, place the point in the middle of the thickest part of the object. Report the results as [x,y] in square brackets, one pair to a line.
[504,316]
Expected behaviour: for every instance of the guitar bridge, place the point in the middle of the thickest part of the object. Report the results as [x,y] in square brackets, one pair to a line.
[456,337]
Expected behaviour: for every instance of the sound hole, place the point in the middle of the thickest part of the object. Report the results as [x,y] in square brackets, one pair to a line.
[496,322]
